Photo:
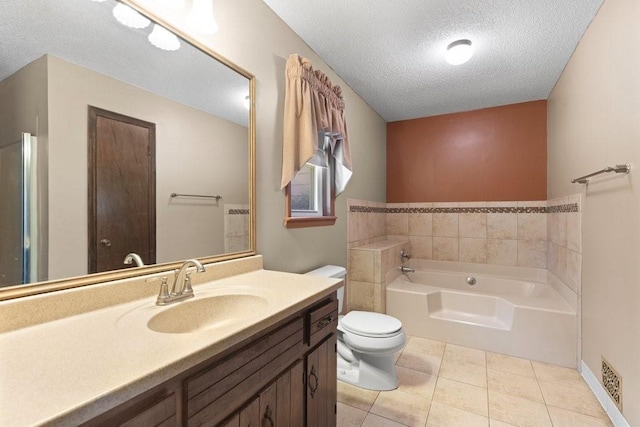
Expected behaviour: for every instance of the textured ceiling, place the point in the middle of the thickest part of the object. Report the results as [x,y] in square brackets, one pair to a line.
[86,33]
[392,52]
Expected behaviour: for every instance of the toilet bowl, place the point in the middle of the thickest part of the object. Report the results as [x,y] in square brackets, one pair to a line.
[367,342]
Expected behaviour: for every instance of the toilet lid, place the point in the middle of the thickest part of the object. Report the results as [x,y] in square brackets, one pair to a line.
[371,324]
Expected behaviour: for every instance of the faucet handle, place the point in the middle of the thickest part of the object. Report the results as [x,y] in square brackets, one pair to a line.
[164,288]
[187,289]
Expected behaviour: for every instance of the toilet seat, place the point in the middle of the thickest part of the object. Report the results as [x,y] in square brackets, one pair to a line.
[372,325]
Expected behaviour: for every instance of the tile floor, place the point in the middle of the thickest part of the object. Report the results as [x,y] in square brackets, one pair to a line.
[444,385]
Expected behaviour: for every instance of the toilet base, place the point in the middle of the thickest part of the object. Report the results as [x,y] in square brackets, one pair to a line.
[368,371]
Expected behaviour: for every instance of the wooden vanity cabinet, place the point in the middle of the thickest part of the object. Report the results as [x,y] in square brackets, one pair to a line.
[282,377]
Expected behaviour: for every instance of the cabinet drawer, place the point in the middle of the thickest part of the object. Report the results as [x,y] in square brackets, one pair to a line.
[216,391]
[322,321]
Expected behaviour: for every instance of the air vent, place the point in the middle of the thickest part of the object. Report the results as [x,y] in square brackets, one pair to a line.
[612,382]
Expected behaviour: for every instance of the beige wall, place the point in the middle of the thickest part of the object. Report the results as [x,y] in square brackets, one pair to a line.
[594,121]
[185,139]
[253,37]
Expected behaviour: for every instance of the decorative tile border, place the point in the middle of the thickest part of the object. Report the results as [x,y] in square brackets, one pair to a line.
[572,207]
[238,212]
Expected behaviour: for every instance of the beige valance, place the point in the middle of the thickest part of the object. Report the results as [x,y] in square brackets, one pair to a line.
[313,108]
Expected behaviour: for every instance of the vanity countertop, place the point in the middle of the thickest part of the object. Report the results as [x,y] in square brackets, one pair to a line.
[70,370]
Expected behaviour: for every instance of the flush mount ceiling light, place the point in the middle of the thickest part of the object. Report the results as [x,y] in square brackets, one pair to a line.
[201,17]
[129,17]
[459,52]
[163,39]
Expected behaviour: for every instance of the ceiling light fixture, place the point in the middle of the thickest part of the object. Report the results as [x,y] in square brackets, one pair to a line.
[129,17]
[459,52]
[163,39]
[201,17]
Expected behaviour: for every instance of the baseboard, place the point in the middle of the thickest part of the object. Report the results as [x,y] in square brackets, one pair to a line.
[612,410]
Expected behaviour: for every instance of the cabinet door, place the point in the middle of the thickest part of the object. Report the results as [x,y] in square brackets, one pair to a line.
[322,384]
[250,416]
[290,397]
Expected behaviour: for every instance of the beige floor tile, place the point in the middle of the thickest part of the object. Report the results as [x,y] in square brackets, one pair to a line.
[441,415]
[556,374]
[514,385]
[575,397]
[464,371]
[466,354]
[355,396]
[424,345]
[348,416]
[496,423]
[517,411]
[562,417]
[419,361]
[515,365]
[373,420]
[462,396]
[416,382]
[401,407]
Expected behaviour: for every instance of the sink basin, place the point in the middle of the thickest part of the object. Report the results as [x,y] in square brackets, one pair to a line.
[207,313]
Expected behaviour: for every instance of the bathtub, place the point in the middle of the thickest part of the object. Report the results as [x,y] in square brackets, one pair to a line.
[508,310]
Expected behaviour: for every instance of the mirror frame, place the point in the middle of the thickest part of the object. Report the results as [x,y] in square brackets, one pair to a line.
[23,290]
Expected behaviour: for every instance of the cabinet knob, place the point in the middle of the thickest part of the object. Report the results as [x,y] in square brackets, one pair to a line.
[105,242]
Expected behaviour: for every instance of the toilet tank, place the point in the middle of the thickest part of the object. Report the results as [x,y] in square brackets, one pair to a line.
[332,271]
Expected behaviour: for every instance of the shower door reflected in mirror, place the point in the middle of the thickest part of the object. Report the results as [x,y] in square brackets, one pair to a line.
[19,211]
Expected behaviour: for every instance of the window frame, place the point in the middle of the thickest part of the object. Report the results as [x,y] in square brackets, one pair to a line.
[294,219]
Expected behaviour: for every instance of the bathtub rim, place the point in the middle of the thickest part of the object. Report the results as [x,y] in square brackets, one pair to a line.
[538,275]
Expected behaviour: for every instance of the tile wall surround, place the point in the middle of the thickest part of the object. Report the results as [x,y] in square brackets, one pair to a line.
[540,234]
[236,227]
[367,274]
[503,233]
[564,252]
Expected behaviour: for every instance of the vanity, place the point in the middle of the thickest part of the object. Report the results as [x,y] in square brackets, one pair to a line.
[255,348]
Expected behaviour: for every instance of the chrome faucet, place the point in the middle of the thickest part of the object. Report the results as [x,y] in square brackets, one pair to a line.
[131,257]
[406,269]
[404,255]
[181,288]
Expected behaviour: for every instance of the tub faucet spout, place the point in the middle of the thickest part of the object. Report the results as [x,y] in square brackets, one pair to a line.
[407,269]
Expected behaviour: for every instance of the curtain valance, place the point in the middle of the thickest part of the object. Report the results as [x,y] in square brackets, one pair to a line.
[313,109]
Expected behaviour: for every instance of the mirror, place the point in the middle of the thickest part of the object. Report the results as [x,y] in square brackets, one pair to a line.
[111,145]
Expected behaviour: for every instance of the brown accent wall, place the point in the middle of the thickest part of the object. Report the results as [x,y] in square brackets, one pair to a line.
[493,154]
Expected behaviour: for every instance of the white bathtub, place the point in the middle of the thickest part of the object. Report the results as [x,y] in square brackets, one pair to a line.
[509,310]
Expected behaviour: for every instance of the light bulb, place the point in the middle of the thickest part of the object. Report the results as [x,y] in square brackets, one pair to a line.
[129,17]
[163,39]
[201,17]
[459,52]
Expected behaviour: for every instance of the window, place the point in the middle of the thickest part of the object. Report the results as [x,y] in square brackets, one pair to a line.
[310,195]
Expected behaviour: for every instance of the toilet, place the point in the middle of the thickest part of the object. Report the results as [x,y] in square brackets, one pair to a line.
[367,342]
